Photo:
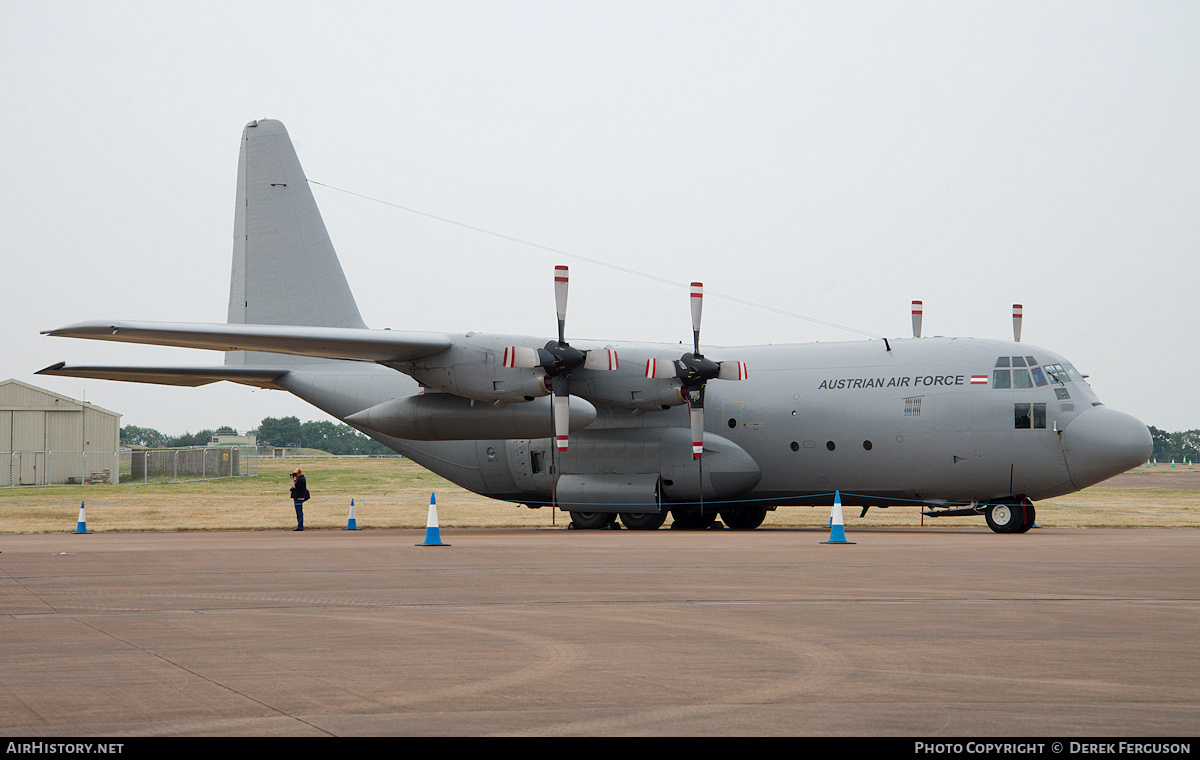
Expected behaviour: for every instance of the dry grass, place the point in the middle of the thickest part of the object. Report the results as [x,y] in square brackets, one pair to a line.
[394,493]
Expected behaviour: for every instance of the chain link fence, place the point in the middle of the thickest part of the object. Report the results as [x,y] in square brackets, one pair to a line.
[42,468]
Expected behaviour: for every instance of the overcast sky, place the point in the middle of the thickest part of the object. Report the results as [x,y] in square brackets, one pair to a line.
[832,160]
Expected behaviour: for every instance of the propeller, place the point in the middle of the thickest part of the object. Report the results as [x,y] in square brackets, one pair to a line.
[1018,313]
[558,359]
[694,371]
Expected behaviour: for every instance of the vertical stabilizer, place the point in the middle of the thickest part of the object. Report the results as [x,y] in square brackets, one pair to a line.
[285,271]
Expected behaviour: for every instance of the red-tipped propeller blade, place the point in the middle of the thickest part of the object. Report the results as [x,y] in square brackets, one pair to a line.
[561,276]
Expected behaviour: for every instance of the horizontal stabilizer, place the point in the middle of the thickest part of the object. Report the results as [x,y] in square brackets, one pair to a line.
[192,377]
[325,342]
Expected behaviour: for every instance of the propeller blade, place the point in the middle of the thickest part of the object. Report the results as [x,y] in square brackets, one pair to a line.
[562,421]
[918,309]
[562,411]
[660,369]
[560,300]
[732,370]
[522,357]
[1018,314]
[697,305]
[696,412]
[603,359]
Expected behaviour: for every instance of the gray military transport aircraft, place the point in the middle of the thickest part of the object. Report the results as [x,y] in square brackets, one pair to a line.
[956,426]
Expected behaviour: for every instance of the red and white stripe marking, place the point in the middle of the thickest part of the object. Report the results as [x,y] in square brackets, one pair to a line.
[979,379]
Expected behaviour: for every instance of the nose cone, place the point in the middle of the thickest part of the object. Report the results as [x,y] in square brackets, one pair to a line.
[1103,442]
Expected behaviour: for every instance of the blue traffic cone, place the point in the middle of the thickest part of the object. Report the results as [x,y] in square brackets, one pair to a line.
[352,525]
[433,536]
[81,527]
[837,528]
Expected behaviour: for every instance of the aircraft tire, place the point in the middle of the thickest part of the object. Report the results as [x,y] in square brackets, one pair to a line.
[643,520]
[1029,515]
[743,518]
[692,519]
[1004,518]
[592,520]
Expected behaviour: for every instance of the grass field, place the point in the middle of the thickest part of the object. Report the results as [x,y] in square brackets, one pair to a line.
[394,493]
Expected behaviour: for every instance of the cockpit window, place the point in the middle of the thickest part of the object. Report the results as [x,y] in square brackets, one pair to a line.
[1057,373]
[1011,372]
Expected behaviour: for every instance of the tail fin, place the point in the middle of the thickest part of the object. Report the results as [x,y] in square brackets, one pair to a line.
[285,271]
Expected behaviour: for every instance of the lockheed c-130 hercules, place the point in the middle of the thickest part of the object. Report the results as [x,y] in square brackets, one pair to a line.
[956,426]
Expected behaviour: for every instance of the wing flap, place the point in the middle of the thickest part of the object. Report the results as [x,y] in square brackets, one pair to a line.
[192,377]
[324,342]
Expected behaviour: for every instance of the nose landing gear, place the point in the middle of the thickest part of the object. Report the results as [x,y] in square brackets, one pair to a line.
[1011,518]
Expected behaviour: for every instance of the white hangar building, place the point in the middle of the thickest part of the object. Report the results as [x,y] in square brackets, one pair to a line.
[46,438]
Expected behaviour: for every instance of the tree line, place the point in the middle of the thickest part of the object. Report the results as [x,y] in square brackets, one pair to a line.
[327,436]
[1176,447]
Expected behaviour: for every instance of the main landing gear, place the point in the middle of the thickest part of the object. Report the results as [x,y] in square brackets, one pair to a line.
[631,520]
[684,518]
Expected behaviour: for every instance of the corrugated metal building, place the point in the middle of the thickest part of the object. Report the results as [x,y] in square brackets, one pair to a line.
[46,438]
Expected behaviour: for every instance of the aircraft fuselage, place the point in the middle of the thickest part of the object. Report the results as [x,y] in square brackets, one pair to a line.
[902,422]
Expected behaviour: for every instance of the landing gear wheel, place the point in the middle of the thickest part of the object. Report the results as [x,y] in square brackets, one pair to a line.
[1005,518]
[592,520]
[643,520]
[693,518]
[743,518]
[1028,514]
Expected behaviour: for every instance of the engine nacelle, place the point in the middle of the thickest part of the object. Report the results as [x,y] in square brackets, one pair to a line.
[476,373]
[629,391]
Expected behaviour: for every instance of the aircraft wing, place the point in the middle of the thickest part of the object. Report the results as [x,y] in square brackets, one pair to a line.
[323,342]
[259,377]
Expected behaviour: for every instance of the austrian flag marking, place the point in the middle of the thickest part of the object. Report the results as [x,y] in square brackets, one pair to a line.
[978,379]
